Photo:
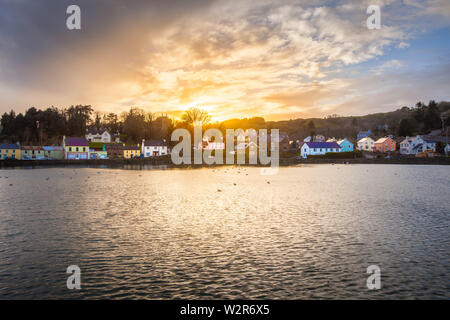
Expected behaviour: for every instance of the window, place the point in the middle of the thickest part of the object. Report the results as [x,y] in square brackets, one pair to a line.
[77,149]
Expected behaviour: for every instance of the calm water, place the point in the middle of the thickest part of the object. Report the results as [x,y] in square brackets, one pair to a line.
[162,234]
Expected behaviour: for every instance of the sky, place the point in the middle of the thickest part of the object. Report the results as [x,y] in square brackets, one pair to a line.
[280,59]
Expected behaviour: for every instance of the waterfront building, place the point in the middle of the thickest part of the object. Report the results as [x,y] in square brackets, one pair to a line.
[97,151]
[130,152]
[318,148]
[415,145]
[53,152]
[10,151]
[76,148]
[346,146]
[114,150]
[363,134]
[366,144]
[385,144]
[154,148]
[32,153]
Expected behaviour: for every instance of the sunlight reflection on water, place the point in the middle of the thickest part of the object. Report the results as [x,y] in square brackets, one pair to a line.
[229,232]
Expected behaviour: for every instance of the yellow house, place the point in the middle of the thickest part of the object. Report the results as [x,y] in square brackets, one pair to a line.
[9,151]
[130,152]
[32,153]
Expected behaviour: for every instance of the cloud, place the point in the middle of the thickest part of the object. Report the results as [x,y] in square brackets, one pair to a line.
[233,58]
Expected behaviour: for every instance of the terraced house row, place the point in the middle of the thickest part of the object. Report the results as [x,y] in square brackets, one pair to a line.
[76,148]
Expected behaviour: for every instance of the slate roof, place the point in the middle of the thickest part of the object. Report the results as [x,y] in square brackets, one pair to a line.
[36,148]
[131,148]
[9,146]
[322,145]
[77,142]
[154,143]
[95,131]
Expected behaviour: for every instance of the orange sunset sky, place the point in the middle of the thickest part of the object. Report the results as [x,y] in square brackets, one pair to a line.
[276,59]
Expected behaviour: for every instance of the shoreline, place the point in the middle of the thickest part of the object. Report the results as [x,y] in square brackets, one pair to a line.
[166,161]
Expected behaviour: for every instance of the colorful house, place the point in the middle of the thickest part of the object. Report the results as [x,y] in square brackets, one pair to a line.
[97,150]
[415,145]
[114,150]
[363,134]
[10,151]
[346,146]
[318,148]
[385,144]
[152,148]
[76,148]
[366,144]
[131,152]
[53,152]
[32,153]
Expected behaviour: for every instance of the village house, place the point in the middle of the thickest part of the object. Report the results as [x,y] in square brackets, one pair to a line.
[76,148]
[152,148]
[319,138]
[363,134]
[415,145]
[97,151]
[346,146]
[32,153]
[114,150]
[366,144]
[318,148]
[385,144]
[94,135]
[10,151]
[131,152]
[53,152]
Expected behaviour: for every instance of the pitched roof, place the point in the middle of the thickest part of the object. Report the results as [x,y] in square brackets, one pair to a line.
[95,131]
[9,146]
[154,143]
[52,148]
[365,139]
[131,148]
[37,148]
[77,142]
[322,145]
[381,140]
[343,140]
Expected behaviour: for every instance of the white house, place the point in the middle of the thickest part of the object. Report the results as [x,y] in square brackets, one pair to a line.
[94,135]
[366,144]
[154,148]
[415,145]
[318,148]
[319,138]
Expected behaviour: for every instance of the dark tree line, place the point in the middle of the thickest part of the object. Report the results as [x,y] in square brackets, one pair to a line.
[45,126]
[424,118]
[49,126]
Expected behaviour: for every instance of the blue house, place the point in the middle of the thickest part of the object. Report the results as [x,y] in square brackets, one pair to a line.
[346,146]
[363,134]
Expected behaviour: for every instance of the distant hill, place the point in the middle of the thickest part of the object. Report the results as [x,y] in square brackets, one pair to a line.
[379,123]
